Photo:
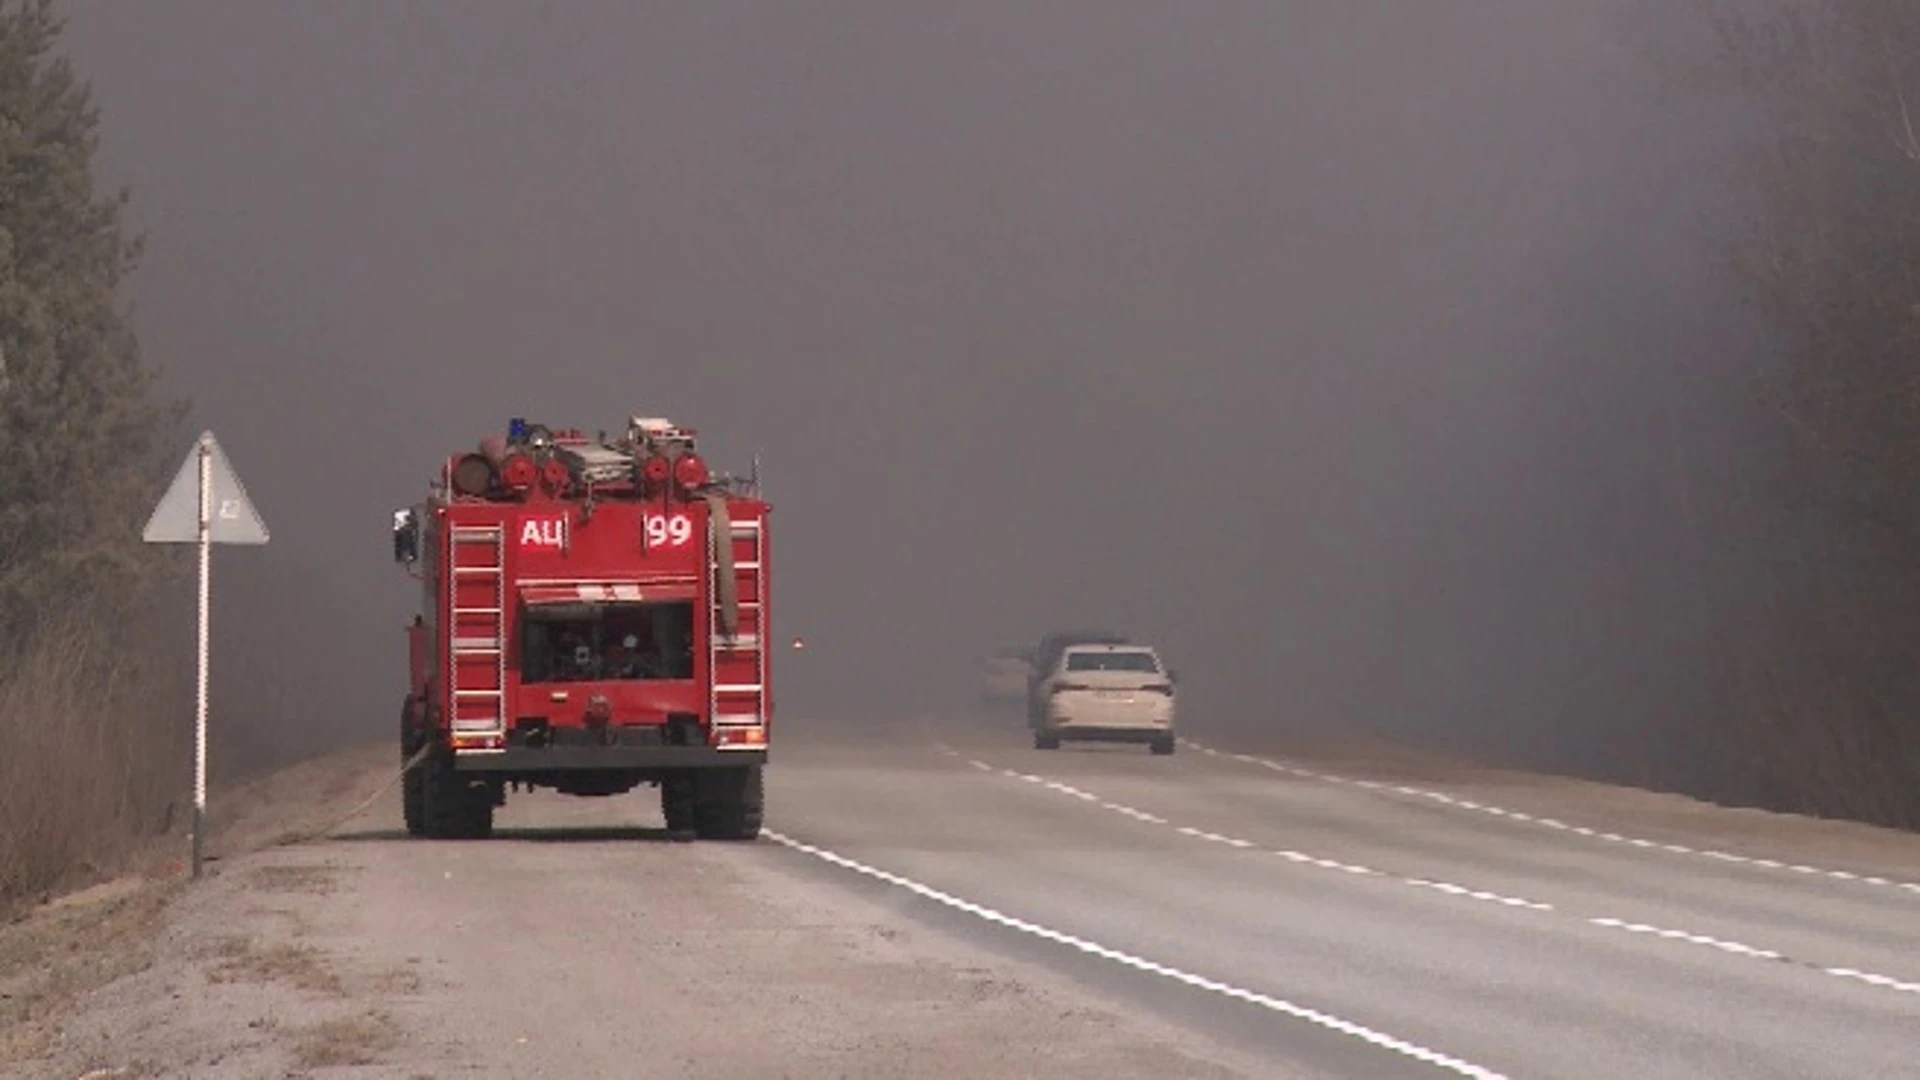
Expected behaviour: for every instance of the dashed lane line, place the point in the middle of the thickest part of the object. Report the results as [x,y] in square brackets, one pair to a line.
[1167,971]
[1556,824]
[1687,937]
[1299,857]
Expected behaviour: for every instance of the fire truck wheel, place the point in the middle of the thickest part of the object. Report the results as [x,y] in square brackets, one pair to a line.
[454,807]
[730,803]
[678,804]
[413,801]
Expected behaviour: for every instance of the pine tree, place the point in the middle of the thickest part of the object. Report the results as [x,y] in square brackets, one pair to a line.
[78,419]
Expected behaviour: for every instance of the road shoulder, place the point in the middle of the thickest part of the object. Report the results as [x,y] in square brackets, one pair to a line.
[579,950]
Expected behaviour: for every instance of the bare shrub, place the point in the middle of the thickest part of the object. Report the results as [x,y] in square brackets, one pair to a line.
[95,754]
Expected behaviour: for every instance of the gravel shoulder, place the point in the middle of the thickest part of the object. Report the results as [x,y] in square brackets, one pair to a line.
[578,943]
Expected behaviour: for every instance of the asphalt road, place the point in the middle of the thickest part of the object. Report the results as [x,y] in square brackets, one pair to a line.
[1383,930]
[936,898]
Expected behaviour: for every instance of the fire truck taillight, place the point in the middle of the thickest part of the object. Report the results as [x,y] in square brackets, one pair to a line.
[470,741]
[689,471]
[740,738]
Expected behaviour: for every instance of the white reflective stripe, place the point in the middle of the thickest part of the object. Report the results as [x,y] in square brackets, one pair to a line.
[588,592]
[737,720]
[741,746]
[477,643]
[650,580]
[626,592]
[738,688]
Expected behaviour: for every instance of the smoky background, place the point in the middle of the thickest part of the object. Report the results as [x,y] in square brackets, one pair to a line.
[1344,349]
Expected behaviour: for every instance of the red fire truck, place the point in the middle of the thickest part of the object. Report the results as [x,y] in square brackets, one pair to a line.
[593,617]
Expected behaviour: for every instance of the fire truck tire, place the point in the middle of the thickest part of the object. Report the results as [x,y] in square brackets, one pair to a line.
[730,803]
[413,782]
[679,804]
[413,801]
[454,807]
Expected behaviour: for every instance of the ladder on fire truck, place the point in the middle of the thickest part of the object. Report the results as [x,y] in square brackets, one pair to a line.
[738,660]
[477,604]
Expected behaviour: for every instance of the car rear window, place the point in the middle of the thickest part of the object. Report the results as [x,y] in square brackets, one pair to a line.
[1115,660]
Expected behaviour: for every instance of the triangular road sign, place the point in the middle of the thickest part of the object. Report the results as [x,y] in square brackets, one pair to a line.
[176,519]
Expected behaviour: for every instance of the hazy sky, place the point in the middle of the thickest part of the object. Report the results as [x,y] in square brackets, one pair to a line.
[1304,338]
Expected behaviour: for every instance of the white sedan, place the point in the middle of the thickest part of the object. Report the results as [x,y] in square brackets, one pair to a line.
[1107,693]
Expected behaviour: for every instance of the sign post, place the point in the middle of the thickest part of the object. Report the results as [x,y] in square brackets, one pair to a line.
[205,505]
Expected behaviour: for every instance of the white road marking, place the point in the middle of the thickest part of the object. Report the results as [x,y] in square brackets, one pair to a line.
[1733,947]
[1875,980]
[1554,823]
[1461,890]
[1300,857]
[1688,937]
[1200,982]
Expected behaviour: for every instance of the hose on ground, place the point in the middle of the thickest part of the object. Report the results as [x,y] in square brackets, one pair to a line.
[308,836]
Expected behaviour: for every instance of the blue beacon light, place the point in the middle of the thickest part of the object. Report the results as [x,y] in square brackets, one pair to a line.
[517,429]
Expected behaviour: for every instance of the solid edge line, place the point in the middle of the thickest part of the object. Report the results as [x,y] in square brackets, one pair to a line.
[1301,1012]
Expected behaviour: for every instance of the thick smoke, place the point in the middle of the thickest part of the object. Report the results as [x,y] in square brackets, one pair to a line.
[1329,345]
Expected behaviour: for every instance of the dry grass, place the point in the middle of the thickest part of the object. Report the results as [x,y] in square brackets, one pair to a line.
[396,981]
[238,959]
[92,763]
[60,952]
[312,880]
[346,1040]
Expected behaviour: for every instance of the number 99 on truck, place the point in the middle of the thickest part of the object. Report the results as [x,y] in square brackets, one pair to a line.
[593,618]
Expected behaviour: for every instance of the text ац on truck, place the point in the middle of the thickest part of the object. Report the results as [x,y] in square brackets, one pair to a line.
[593,617]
